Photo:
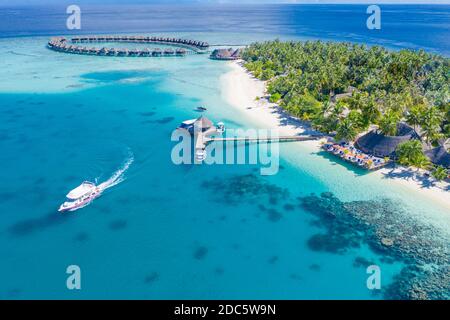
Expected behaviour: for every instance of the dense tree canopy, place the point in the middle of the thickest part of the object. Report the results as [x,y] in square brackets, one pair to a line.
[387,86]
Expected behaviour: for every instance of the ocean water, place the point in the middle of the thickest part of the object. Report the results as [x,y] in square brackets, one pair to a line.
[168,231]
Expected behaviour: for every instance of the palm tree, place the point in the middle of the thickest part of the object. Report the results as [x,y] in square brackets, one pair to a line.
[346,130]
[410,153]
[389,122]
[431,120]
[440,173]
[415,115]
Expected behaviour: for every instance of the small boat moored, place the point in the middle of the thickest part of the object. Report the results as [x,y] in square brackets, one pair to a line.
[201,109]
[220,128]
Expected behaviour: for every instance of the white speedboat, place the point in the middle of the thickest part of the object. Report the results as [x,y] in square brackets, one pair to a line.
[200,155]
[81,196]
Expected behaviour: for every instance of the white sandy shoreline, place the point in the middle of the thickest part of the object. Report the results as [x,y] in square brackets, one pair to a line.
[240,89]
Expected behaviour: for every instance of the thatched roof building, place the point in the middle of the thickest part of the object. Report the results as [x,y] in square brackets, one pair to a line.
[226,54]
[202,124]
[439,156]
[380,145]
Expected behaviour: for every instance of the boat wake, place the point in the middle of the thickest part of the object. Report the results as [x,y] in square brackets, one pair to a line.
[117,177]
[84,194]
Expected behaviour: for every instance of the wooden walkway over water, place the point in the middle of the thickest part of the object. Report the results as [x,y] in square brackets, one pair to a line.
[267,139]
[202,140]
[184,46]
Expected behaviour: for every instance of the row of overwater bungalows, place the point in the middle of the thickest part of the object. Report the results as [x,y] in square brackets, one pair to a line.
[61,44]
[143,39]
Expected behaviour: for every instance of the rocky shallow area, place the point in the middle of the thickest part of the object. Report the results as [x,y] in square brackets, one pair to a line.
[384,225]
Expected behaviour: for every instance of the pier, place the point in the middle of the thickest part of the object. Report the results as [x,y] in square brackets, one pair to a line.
[73,46]
[266,139]
[204,133]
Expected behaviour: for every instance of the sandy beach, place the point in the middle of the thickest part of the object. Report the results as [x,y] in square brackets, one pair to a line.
[240,89]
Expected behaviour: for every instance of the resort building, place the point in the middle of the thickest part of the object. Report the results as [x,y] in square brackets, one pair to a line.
[226,54]
[380,145]
[201,123]
[439,156]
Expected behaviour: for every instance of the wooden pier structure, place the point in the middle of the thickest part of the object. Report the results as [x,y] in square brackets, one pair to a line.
[205,132]
[72,45]
[266,139]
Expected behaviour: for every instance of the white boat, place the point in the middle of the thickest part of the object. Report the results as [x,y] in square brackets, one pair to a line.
[220,128]
[81,196]
[200,155]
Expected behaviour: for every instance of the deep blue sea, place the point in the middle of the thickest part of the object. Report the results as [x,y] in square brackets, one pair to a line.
[410,26]
[189,231]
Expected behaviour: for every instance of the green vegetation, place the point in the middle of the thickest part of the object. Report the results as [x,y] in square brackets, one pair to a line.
[380,87]
[440,173]
[410,153]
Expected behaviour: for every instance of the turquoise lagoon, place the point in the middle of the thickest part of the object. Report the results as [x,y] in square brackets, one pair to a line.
[166,231]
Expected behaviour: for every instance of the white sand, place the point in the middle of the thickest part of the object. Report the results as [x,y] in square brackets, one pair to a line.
[240,89]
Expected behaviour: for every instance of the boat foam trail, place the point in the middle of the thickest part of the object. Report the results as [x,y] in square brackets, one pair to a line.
[117,177]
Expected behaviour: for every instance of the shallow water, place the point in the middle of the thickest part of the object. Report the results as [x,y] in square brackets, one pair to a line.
[166,231]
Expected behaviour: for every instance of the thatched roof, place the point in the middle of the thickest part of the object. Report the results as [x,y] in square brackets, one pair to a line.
[381,145]
[204,122]
[222,53]
[439,156]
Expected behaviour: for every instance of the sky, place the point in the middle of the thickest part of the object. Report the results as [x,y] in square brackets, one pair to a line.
[35,2]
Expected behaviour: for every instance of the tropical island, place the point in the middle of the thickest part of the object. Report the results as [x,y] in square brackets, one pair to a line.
[394,104]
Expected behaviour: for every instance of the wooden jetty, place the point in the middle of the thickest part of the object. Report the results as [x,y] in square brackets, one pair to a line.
[267,139]
[72,45]
[204,131]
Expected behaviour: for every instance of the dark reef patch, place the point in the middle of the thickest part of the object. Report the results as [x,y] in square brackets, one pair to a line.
[7,196]
[314,267]
[361,262]
[248,187]
[295,276]
[117,225]
[272,259]
[289,207]
[200,253]
[81,237]
[29,226]
[147,114]
[389,230]
[219,271]
[235,246]
[273,215]
[151,278]
[165,120]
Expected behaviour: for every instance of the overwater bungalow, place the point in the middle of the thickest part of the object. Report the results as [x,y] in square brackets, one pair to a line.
[122,52]
[134,52]
[95,51]
[114,51]
[157,52]
[103,51]
[169,52]
[180,52]
[146,52]
[60,44]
